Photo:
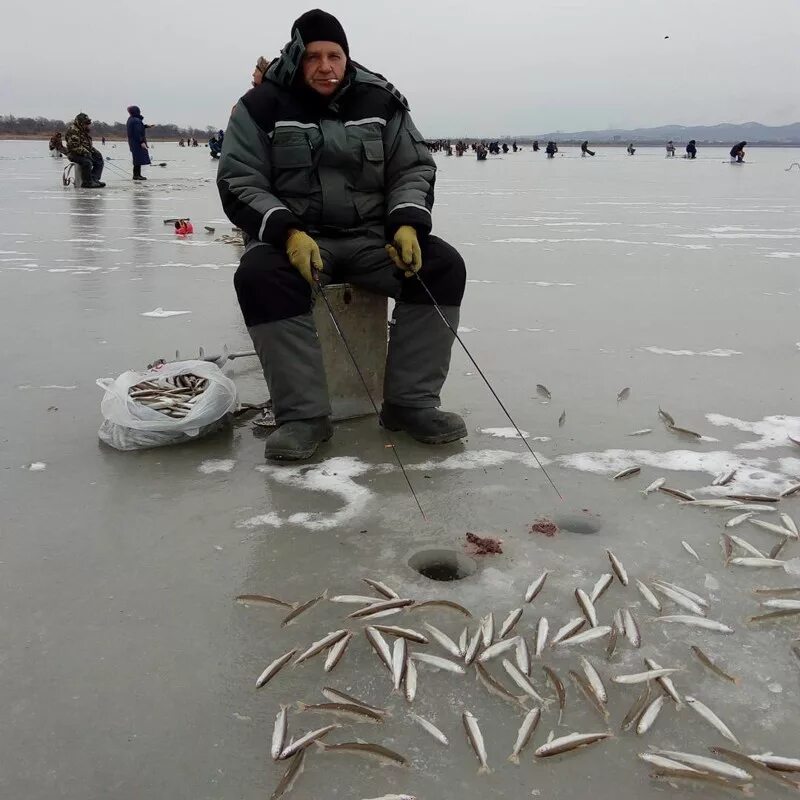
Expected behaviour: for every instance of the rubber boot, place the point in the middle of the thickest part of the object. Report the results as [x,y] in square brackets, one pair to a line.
[291,358]
[416,368]
[137,173]
[86,176]
[298,439]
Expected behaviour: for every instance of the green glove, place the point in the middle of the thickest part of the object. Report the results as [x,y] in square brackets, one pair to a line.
[303,253]
[405,251]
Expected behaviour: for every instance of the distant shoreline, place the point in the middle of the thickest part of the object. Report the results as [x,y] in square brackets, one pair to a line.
[45,137]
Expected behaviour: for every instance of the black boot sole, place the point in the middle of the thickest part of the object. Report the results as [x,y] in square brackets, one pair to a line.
[294,455]
[440,438]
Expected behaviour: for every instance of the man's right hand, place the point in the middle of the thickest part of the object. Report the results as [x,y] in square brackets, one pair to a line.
[304,255]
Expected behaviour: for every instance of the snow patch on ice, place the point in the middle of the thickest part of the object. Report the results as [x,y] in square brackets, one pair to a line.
[36,466]
[503,433]
[160,313]
[334,476]
[270,520]
[463,329]
[782,254]
[212,465]
[479,459]
[774,430]
[716,353]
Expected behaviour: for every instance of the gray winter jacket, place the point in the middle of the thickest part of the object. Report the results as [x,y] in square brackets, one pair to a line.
[350,162]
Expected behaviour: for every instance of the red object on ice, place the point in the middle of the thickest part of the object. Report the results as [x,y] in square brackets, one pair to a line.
[183,226]
[481,546]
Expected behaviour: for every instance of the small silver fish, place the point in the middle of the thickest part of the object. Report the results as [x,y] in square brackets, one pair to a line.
[587,607]
[522,656]
[589,635]
[679,599]
[654,486]
[603,582]
[701,601]
[627,473]
[619,569]
[790,490]
[650,714]
[274,668]
[648,595]
[497,649]
[684,431]
[510,622]
[337,696]
[570,742]
[348,711]
[623,394]
[706,764]
[382,589]
[696,622]
[595,681]
[565,631]
[739,519]
[713,502]
[777,529]
[709,716]
[306,740]
[643,677]
[403,633]
[562,419]
[631,628]
[487,629]
[476,741]
[641,432]
[430,728]
[679,493]
[496,688]
[543,391]
[438,663]
[689,549]
[473,647]
[522,681]
[780,602]
[525,732]
[279,734]
[542,629]
[789,523]
[411,681]
[290,776]
[665,682]
[337,651]
[747,547]
[770,563]
[379,645]
[779,763]
[666,416]
[324,643]
[536,587]
[301,609]
[376,751]
[353,599]
[445,641]
[463,641]
[261,600]
[377,608]
[399,651]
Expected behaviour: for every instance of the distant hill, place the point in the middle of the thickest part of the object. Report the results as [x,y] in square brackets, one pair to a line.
[724,133]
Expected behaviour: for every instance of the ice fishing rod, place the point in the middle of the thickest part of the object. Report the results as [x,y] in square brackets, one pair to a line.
[486,381]
[321,293]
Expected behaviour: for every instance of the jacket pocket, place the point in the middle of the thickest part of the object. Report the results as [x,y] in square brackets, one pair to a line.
[371,178]
[291,169]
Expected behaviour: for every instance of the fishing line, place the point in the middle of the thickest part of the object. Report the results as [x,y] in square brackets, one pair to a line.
[321,293]
[486,381]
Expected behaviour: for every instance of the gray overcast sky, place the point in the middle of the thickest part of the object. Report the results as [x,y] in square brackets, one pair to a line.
[517,66]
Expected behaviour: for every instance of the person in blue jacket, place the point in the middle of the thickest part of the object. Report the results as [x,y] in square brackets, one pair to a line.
[215,144]
[137,141]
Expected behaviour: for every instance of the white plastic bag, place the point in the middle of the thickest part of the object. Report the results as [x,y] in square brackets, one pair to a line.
[128,425]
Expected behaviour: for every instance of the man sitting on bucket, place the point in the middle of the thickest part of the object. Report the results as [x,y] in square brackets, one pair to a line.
[325,171]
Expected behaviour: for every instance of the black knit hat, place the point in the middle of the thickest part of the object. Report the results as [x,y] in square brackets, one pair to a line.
[319,26]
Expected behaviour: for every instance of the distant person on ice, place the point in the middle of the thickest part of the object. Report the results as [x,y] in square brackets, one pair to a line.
[585,149]
[631,149]
[56,145]
[691,149]
[137,142]
[262,65]
[670,149]
[215,143]
[551,149]
[737,153]
[82,152]
[340,190]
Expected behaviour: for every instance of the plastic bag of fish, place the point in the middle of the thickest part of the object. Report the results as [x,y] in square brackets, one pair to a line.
[174,403]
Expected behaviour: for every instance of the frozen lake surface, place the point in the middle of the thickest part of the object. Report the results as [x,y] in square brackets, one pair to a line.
[129,669]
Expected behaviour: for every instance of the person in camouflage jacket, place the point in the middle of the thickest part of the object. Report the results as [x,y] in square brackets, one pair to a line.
[82,152]
[326,173]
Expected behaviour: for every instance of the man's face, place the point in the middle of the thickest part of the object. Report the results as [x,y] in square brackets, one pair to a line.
[324,64]
[257,77]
